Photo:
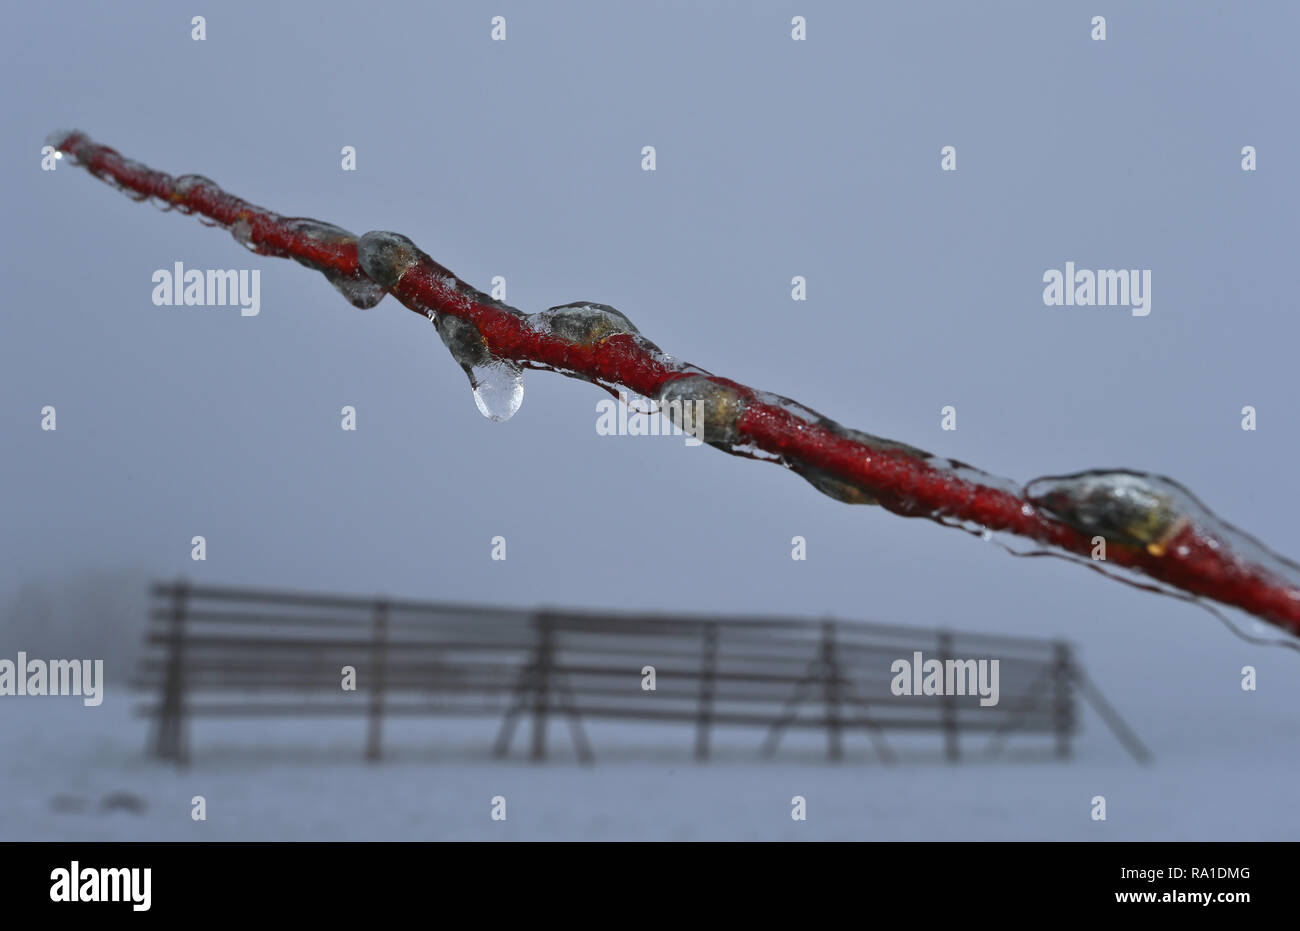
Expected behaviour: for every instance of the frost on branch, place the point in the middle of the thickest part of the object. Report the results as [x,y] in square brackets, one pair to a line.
[1158,530]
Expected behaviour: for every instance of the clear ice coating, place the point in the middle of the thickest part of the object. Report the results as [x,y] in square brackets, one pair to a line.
[835,488]
[360,292]
[242,232]
[1126,507]
[498,384]
[1152,511]
[717,406]
[386,256]
[359,289]
[850,492]
[583,322]
[588,324]
[187,185]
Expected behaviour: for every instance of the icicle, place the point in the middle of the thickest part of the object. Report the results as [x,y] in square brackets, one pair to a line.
[498,384]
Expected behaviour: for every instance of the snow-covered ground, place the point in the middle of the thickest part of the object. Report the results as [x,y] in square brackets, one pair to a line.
[301,780]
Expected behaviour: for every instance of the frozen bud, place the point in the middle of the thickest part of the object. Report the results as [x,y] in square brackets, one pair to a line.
[836,488]
[319,231]
[187,185]
[360,290]
[385,257]
[704,408]
[463,339]
[1125,507]
[585,324]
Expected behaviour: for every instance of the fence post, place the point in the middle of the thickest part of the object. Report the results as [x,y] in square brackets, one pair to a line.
[951,744]
[707,682]
[1062,674]
[830,681]
[171,736]
[542,684]
[378,663]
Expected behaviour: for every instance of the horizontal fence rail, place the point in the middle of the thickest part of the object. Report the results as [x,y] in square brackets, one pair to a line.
[215,651]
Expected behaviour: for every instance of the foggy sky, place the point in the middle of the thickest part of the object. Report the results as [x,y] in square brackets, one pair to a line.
[775,158]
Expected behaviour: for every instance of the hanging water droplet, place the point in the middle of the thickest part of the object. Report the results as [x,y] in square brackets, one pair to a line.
[498,384]
[498,389]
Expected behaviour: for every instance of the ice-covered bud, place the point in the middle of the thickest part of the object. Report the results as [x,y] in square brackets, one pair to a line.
[385,256]
[585,323]
[836,488]
[319,230]
[187,185]
[360,290]
[463,339]
[1126,507]
[704,408]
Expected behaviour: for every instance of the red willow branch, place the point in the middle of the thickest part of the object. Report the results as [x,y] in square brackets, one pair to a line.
[1145,524]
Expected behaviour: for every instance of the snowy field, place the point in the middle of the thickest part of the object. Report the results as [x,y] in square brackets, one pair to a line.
[305,780]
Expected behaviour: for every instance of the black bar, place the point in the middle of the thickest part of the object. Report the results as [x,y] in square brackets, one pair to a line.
[984,883]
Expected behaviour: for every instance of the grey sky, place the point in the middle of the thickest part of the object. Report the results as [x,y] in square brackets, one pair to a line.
[775,158]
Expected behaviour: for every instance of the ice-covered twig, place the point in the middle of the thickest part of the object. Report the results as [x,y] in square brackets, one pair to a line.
[1149,525]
